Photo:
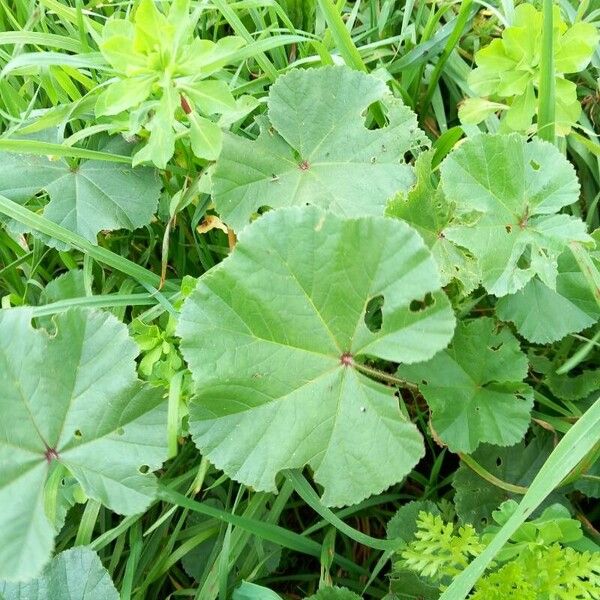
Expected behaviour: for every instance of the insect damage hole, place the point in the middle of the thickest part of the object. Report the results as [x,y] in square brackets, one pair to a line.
[524,261]
[371,123]
[374,314]
[419,305]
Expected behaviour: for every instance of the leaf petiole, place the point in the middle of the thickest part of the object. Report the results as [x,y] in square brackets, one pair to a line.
[386,377]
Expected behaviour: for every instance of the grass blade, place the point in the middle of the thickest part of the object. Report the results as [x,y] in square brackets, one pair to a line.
[38,223]
[547,92]
[341,36]
[305,491]
[274,533]
[50,149]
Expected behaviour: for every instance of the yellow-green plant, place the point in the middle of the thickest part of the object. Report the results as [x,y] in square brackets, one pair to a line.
[165,85]
[507,76]
[537,563]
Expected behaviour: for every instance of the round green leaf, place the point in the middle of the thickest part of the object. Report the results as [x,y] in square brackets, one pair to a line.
[544,315]
[71,398]
[271,336]
[315,149]
[507,192]
[76,574]
[475,388]
[93,197]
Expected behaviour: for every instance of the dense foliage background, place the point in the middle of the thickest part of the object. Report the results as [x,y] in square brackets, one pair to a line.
[140,139]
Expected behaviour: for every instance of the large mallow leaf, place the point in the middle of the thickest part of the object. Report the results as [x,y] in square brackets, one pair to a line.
[315,149]
[92,197]
[70,400]
[76,574]
[475,388]
[509,192]
[272,337]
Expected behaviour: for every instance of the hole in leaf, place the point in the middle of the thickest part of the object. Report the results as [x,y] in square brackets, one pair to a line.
[484,521]
[374,313]
[508,228]
[497,347]
[418,305]
[143,469]
[261,210]
[498,462]
[78,433]
[534,165]
[370,122]
[424,382]
[120,431]
[524,261]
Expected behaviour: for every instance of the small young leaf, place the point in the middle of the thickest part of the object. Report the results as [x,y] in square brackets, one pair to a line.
[75,574]
[206,138]
[315,149]
[72,398]
[151,27]
[474,110]
[475,388]
[124,94]
[514,188]
[271,337]
[161,143]
[210,96]
[575,47]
